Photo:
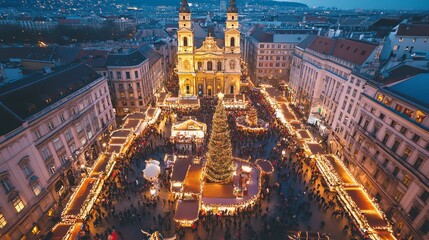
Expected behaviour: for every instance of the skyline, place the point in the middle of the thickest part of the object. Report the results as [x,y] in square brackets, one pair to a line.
[368,4]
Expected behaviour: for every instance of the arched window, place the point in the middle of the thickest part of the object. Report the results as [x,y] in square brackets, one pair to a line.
[209,66]
[232,42]
[184,17]
[200,66]
[232,17]
[219,66]
[185,41]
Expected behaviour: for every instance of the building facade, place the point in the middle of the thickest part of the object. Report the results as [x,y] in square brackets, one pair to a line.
[270,53]
[129,81]
[52,125]
[209,69]
[389,148]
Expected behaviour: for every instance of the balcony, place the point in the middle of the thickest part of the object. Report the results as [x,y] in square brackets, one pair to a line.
[423,179]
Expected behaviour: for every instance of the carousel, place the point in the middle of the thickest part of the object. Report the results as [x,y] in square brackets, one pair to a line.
[151,173]
[251,122]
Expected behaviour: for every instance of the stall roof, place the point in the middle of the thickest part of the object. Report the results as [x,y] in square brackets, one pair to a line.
[120,133]
[136,115]
[132,123]
[193,179]
[288,114]
[180,169]
[101,164]
[117,141]
[187,210]
[114,148]
[80,197]
[304,134]
[315,148]
[342,173]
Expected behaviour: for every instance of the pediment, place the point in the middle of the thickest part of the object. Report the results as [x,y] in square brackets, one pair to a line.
[209,45]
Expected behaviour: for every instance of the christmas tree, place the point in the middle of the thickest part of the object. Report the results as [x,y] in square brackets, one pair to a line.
[252,117]
[219,167]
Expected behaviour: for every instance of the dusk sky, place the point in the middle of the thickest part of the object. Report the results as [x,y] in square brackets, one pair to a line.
[371,4]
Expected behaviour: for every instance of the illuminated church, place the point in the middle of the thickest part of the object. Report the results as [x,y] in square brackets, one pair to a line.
[208,69]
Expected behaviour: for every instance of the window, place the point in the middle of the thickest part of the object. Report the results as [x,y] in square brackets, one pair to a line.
[403,130]
[395,171]
[382,116]
[393,123]
[26,168]
[68,135]
[386,138]
[6,184]
[420,116]
[408,112]
[416,138]
[418,162]
[424,196]
[395,145]
[209,66]
[79,127]
[51,168]
[424,228]
[136,74]
[83,140]
[398,108]
[406,180]
[185,41]
[46,153]
[58,144]
[406,153]
[386,161]
[354,93]
[127,75]
[349,89]
[219,66]
[118,75]
[18,204]
[37,189]
[3,221]
[200,65]
[51,125]
[398,195]
[37,134]
[232,42]
[414,212]
[62,117]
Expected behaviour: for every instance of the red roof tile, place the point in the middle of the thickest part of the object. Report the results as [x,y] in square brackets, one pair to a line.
[353,51]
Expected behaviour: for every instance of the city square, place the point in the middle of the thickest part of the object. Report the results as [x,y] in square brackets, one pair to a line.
[226,119]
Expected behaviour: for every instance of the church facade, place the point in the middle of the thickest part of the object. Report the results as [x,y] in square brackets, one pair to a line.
[208,69]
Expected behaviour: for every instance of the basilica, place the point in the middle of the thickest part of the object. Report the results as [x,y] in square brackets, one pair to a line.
[210,68]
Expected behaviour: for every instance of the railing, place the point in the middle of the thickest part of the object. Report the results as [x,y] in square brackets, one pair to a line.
[423,179]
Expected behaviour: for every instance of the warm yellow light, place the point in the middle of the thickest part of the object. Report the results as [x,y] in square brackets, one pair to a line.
[246,169]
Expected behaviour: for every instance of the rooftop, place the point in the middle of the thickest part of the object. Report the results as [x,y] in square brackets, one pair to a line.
[132,58]
[410,29]
[356,52]
[26,97]
[414,89]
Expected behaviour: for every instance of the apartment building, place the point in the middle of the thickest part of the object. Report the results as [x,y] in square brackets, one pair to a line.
[52,124]
[323,85]
[389,148]
[409,40]
[129,81]
[270,53]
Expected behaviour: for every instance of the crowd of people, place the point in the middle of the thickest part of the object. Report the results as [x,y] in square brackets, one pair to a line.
[288,198]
